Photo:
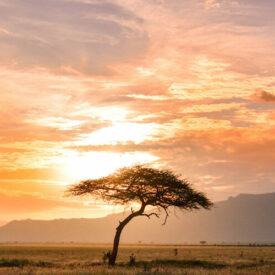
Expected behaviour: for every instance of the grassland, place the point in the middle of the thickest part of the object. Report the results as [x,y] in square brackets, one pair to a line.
[83,259]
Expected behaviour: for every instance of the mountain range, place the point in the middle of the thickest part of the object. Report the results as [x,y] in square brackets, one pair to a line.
[245,218]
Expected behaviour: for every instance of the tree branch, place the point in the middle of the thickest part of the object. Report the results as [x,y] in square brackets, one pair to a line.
[131,216]
[167,214]
[149,215]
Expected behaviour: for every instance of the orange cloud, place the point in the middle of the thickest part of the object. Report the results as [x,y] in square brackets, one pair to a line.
[264,96]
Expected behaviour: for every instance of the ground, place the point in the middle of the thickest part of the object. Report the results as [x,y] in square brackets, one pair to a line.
[84,259]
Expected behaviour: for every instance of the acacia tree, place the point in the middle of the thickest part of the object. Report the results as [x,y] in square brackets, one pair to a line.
[160,189]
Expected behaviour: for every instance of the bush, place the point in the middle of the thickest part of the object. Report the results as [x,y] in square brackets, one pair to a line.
[132,261]
[15,262]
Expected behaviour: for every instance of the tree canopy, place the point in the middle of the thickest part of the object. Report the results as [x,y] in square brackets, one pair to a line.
[148,186]
[158,188]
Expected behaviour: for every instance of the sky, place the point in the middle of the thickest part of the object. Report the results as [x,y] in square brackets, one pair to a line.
[89,86]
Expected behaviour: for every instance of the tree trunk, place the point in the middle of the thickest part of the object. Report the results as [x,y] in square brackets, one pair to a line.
[112,259]
[113,256]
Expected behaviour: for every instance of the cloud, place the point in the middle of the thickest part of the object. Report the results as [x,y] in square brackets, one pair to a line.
[46,174]
[240,158]
[69,36]
[29,204]
[240,33]
[266,96]
[211,4]
[53,116]
[170,80]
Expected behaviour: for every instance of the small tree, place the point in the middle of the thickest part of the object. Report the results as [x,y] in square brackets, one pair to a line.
[160,189]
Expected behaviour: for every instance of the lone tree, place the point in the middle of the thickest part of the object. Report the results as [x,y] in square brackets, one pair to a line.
[160,189]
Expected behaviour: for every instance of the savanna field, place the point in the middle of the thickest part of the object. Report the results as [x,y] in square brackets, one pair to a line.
[149,259]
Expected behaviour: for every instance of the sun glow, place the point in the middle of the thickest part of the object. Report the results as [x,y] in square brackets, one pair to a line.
[119,132]
[98,164]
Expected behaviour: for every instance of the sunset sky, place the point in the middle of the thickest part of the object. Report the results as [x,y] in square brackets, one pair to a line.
[89,86]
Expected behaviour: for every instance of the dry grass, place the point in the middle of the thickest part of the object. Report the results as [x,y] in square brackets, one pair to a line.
[150,259]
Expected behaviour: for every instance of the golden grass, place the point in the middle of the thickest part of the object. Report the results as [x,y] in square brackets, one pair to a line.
[150,259]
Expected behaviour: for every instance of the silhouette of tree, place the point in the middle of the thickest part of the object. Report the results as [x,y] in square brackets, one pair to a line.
[160,189]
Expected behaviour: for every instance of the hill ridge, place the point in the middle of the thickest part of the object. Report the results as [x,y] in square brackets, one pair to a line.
[244,218]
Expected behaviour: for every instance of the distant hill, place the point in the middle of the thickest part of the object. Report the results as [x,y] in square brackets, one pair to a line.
[245,218]
[2,223]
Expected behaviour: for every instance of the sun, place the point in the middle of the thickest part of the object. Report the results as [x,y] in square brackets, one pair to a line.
[91,165]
